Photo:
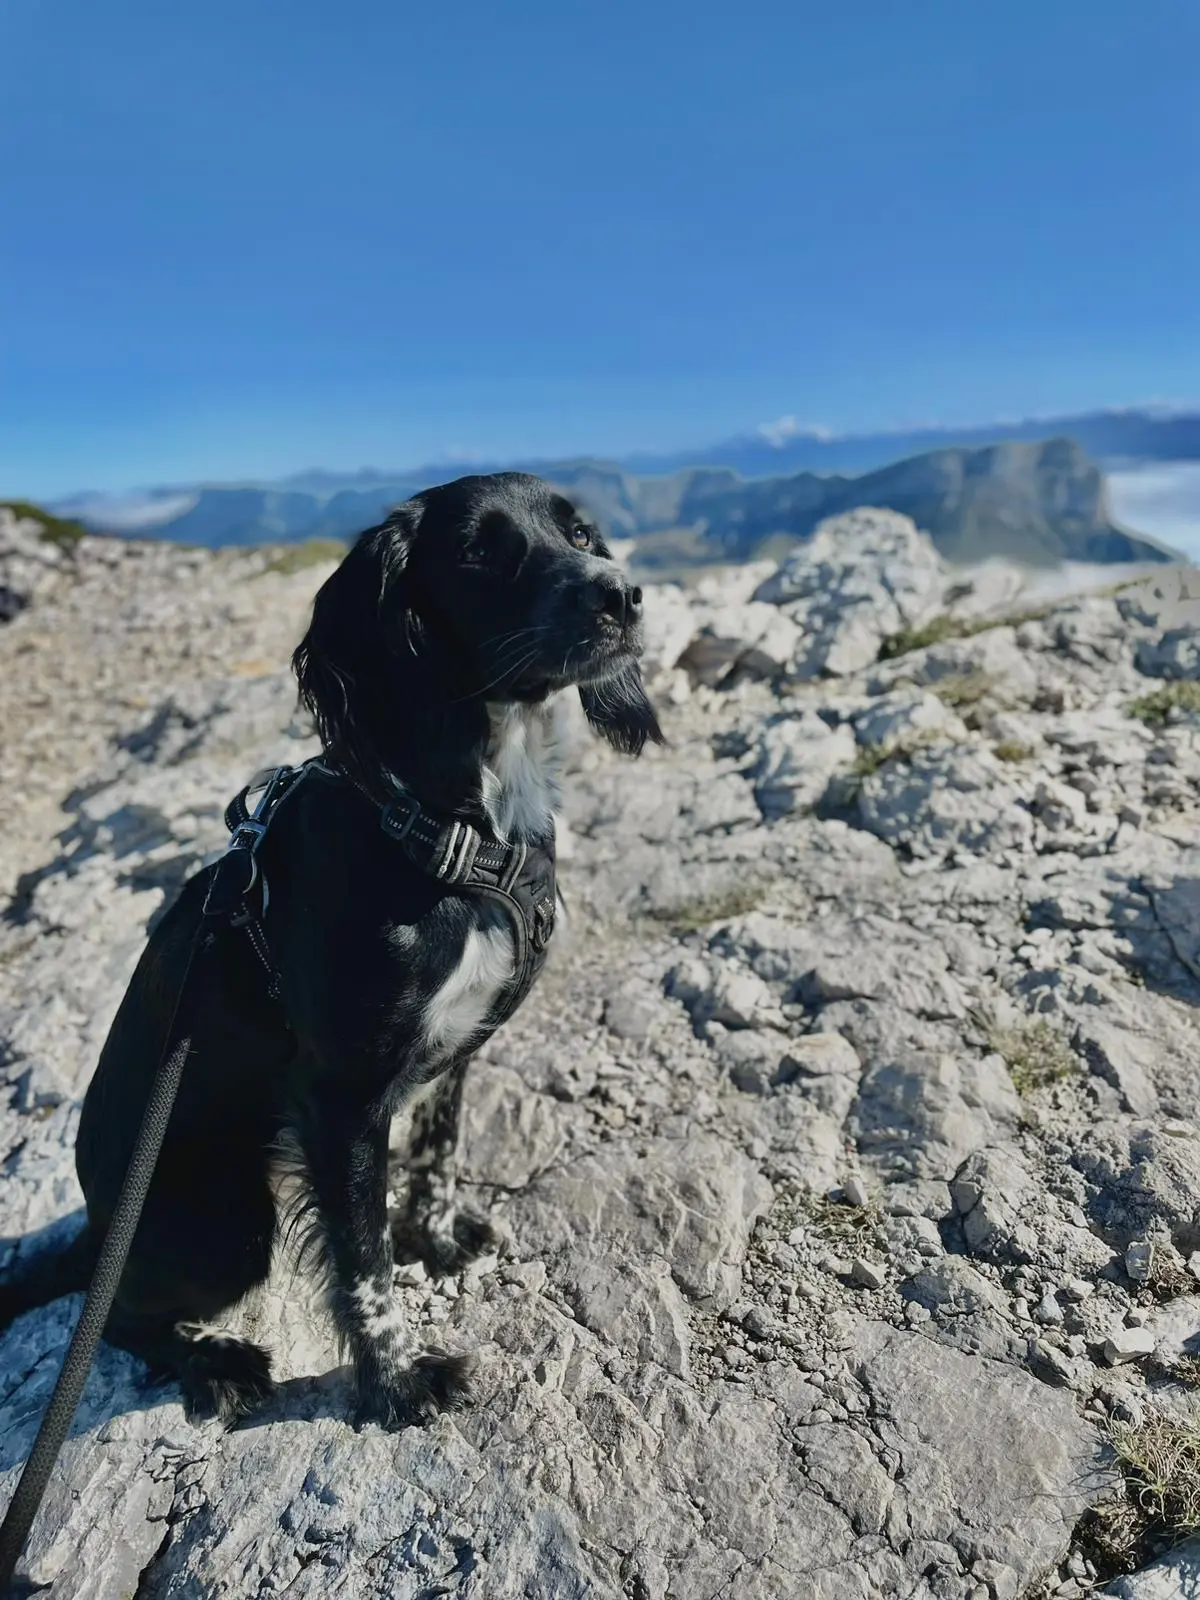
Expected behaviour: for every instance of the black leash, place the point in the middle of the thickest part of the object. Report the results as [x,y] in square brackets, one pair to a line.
[231,880]
[114,1252]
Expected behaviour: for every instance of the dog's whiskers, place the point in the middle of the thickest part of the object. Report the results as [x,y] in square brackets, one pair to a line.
[502,639]
[510,671]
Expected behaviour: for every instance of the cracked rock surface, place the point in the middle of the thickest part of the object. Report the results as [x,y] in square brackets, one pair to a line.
[846,1142]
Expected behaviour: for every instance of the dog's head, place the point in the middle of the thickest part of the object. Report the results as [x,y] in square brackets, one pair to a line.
[488,589]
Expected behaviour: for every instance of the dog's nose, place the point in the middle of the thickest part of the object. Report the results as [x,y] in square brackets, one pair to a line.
[612,597]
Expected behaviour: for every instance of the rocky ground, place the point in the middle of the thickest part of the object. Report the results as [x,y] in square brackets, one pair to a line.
[847,1157]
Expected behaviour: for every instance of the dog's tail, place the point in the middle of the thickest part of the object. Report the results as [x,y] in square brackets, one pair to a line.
[46,1275]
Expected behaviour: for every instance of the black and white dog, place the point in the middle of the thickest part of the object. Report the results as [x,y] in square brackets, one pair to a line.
[431,662]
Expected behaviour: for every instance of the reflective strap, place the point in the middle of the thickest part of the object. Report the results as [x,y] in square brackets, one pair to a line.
[461,846]
[511,871]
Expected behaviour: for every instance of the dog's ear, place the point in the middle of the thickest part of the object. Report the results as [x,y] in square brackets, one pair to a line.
[340,664]
[620,710]
[379,684]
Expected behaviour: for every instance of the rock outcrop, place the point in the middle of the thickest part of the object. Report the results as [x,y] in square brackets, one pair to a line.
[847,1166]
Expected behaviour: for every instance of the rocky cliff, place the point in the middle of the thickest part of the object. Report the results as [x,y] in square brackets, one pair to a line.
[847,1158]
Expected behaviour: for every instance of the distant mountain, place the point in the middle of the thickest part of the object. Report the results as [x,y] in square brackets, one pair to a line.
[1022,496]
[1112,437]
[1034,503]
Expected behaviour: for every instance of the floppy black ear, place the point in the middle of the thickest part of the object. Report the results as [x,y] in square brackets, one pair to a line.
[620,710]
[379,684]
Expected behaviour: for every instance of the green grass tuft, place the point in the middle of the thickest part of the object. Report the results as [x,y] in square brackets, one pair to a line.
[53,530]
[1155,708]
[720,906]
[1158,1503]
[941,628]
[907,640]
[1036,1055]
[1161,1460]
[290,558]
[964,688]
[1013,750]
[873,756]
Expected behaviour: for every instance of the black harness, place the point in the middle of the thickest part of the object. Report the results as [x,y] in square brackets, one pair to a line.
[517,877]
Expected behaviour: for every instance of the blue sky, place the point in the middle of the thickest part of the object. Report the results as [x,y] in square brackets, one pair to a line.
[246,238]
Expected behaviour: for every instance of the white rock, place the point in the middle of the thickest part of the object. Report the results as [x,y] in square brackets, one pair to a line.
[755,637]
[1173,1576]
[1059,805]
[1176,654]
[867,1273]
[907,717]
[670,626]
[861,577]
[955,799]
[855,1190]
[1128,1344]
[1048,1311]
[796,758]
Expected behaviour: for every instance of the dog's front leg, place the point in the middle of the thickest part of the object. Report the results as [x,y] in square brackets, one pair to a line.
[432,1227]
[345,1150]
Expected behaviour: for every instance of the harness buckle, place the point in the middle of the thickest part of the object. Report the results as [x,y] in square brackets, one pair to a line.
[543,923]
[457,860]
[398,818]
[248,835]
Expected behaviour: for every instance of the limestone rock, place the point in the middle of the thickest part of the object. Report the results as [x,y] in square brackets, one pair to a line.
[861,577]
[796,758]
[795,933]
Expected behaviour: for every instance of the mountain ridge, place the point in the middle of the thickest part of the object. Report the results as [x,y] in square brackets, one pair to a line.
[1036,502]
[779,449]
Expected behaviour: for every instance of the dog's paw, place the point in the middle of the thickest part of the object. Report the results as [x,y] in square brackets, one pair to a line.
[446,1247]
[433,1382]
[470,1237]
[226,1378]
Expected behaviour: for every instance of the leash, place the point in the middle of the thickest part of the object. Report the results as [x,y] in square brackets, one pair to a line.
[64,1402]
[232,878]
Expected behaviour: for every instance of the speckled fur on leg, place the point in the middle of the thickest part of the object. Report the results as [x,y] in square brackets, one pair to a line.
[432,1228]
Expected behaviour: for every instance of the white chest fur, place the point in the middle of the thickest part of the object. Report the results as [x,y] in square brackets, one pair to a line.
[461,1006]
[520,794]
[521,770]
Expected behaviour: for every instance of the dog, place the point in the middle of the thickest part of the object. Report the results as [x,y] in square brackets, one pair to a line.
[431,665]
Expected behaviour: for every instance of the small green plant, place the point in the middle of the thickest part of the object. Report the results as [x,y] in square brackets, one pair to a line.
[1161,1461]
[1036,1054]
[964,688]
[941,628]
[870,758]
[1013,750]
[1155,708]
[873,756]
[291,558]
[935,631]
[720,906]
[1157,1504]
[59,531]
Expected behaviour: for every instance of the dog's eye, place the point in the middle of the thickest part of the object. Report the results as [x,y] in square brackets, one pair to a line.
[580,537]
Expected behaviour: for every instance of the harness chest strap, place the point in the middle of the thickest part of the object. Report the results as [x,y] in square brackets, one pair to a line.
[518,878]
